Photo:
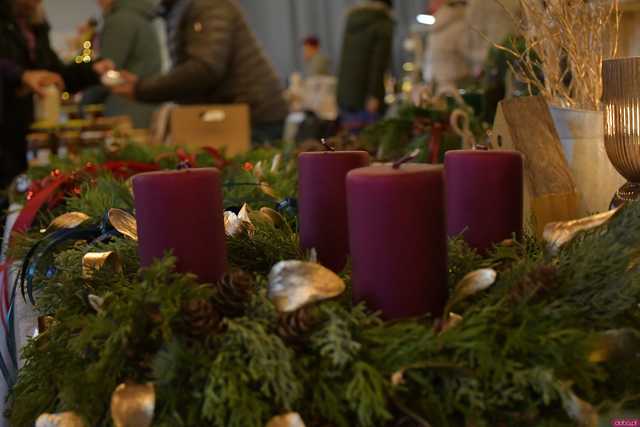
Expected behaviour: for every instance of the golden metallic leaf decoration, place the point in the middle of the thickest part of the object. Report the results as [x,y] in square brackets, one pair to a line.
[615,345]
[258,170]
[63,419]
[296,284]
[133,405]
[452,320]
[582,412]
[124,222]
[68,220]
[95,261]
[471,284]
[272,216]
[243,215]
[96,303]
[558,234]
[234,225]
[44,323]
[275,163]
[268,190]
[292,419]
[397,378]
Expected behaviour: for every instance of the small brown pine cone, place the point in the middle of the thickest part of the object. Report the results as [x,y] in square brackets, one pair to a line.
[233,293]
[535,284]
[296,325]
[201,318]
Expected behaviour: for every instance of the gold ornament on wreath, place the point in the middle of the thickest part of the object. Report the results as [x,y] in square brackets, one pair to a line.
[296,284]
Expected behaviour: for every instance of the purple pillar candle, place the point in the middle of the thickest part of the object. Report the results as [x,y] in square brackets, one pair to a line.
[484,196]
[181,211]
[398,239]
[322,203]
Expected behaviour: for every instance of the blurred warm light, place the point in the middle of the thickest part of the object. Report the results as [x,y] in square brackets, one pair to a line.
[408,67]
[87,45]
[426,19]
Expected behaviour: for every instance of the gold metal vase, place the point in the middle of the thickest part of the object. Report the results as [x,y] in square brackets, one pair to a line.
[621,98]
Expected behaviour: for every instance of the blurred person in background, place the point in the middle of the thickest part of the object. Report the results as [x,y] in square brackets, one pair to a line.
[490,22]
[24,41]
[365,59]
[128,38]
[216,60]
[316,63]
[447,62]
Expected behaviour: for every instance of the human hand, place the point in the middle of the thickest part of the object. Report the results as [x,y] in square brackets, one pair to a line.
[103,66]
[37,80]
[128,88]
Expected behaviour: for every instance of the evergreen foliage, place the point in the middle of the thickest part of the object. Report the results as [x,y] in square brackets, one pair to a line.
[524,351]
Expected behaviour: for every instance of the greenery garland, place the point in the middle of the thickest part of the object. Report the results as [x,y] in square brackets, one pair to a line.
[554,342]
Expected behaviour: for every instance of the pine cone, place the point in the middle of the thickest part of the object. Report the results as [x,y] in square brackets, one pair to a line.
[535,284]
[233,293]
[294,326]
[201,318]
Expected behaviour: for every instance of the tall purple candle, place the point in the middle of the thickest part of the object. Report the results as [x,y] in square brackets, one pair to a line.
[182,211]
[322,203]
[398,239]
[484,196]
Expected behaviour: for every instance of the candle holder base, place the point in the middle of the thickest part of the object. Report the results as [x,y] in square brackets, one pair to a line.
[627,193]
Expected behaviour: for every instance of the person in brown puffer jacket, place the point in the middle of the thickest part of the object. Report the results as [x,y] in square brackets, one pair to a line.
[216,60]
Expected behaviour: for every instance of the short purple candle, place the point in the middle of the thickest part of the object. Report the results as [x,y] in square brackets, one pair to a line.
[398,239]
[322,203]
[181,211]
[484,196]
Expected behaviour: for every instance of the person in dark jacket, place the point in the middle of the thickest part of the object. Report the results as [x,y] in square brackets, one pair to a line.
[25,43]
[216,60]
[130,39]
[366,57]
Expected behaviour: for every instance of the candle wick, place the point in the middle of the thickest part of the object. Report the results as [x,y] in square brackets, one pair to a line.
[327,146]
[409,157]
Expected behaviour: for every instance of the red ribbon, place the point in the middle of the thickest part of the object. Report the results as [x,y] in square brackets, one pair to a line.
[437,130]
[30,210]
[217,156]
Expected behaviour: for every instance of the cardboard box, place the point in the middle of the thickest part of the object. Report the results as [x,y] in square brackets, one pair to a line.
[218,126]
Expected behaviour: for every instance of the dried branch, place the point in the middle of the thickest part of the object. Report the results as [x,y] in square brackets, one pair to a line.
[566,41]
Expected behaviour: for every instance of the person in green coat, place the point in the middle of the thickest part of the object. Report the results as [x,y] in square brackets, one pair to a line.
[130,39]
[366,57]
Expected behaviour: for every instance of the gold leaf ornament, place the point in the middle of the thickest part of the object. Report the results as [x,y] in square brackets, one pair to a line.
[451,321]
[67,221]
[234,225]
[63,419]
[275,163]
[471,284]
[44,323]
[272,216]
[558,234]
[296,284]
[581,411]
[133,405]
[124,222]
[615,345]
[292,419]
[268,190]
[95,261]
